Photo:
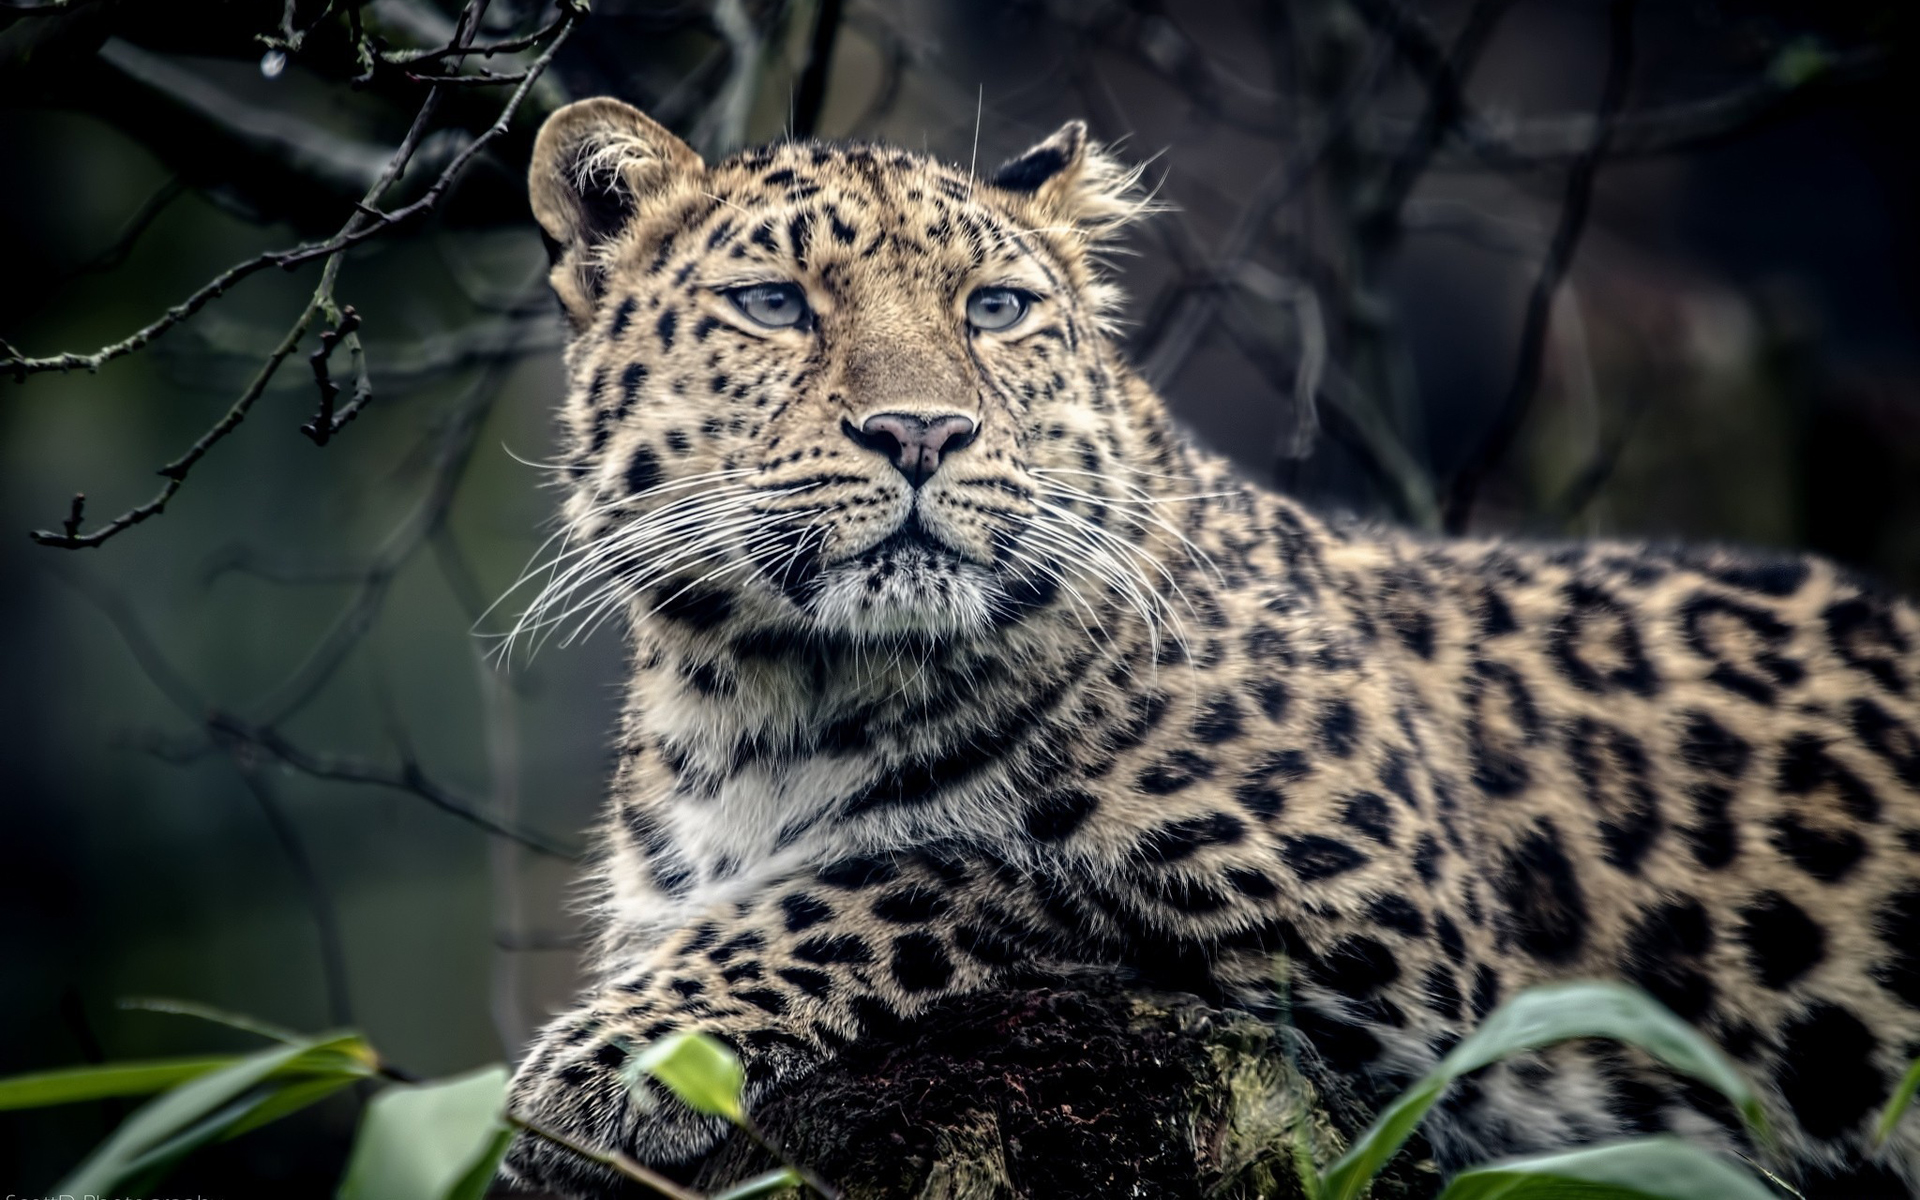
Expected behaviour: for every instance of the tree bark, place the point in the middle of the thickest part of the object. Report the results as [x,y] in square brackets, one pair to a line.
[1059,1093]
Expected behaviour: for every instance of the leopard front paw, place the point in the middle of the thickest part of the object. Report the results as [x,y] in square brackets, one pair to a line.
[597,1100]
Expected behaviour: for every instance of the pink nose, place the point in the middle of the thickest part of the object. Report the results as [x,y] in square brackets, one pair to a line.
[914,445]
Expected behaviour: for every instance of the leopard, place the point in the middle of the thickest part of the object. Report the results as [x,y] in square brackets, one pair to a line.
[958,666]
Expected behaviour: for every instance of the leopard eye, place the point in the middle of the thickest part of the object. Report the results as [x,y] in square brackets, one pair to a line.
[996,308]
[775,305]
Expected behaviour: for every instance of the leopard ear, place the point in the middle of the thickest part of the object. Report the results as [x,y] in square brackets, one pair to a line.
[596,164]
[1077,181]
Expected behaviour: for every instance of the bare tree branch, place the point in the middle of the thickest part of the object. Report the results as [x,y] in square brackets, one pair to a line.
[1350,414]
[366,222]
[131,232]
[1560,251]
[1587,483]
[1481,141]
[175,472]
[811,97]
[344,166]
[324,425]
[46,8]
[409,778]
[1446,97]
[314,891]
[227,732]
[474,79]
[1190,320]
[724,122]
[452,452]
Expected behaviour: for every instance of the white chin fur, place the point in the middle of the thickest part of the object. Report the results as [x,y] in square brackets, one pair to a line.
[909,592]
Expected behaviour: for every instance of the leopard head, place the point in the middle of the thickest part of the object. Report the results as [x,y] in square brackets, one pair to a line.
[838,390]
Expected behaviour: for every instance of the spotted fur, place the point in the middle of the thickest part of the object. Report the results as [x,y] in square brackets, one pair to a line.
[1085,698]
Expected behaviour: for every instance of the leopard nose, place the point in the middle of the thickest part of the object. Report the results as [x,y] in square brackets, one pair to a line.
[914,445]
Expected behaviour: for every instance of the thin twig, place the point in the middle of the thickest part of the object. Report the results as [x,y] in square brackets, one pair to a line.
[48,8]
[811,98]
[1560,251]
[725,121]
[326,919]
[225,729]
[1591,478]
[146,655]
[321,429]
[476,79]
[409,778]
[814,1183]
[1190,320]
[421,358]
[1479,140]
[452,453]
[404,58]
[366,222]
[612,1160]
[1297,436]
[1365,431]
[1446,97]
[130,233]
[175,472]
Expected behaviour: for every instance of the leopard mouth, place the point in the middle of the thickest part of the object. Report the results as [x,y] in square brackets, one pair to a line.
[911,538]
[911,582]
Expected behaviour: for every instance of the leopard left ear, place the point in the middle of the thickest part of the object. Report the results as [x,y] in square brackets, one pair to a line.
[1078,181]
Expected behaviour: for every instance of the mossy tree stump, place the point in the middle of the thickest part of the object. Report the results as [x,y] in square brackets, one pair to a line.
[1066,1092]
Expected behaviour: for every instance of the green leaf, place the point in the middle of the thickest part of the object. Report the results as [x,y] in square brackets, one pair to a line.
[1643,1169]
[288,1095]
[1897,1107]
[1540,1017]
[142,1078]
[216,1105]
[1349,1176]
[770,1184]
[218,1016]
[474,1184]
[699,1070]
[431,1141]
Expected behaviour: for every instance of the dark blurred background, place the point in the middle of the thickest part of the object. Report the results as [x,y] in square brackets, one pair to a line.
[1547,267]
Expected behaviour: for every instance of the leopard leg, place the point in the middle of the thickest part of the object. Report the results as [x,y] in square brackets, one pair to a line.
[786,979]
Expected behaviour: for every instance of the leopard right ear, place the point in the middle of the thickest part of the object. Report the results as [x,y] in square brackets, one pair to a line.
[596,165]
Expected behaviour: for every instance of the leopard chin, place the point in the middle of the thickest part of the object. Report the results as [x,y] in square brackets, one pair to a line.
[908,589]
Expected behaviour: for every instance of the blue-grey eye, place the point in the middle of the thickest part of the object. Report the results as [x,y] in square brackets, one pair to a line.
[996,308]
[775,305]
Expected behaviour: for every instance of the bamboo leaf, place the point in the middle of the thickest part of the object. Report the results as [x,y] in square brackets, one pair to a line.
[479,1178]
[215,1105]
[1348,1178]
[770,1184]
[217,1016]
[72,1084]
[1535,1018]
[287,1094]
[1897,1107]
[1643,1169]
[699,1070]
[432,1141]
[1560,1012]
